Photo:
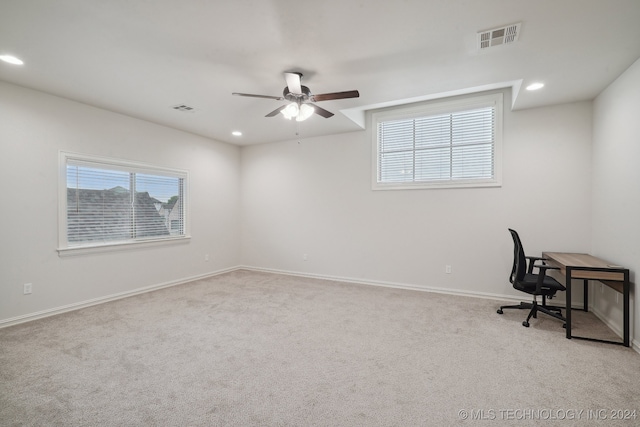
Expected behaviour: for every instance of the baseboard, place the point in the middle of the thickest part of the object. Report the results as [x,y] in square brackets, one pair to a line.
[83,304]
[613,326]
[634,344]
[486,295]
[396,285]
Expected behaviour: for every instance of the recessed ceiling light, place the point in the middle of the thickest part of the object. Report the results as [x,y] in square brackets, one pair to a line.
[236,133]
[11,59]
[535,86]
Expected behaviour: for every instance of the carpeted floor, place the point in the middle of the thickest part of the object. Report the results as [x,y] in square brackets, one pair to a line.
[257,349]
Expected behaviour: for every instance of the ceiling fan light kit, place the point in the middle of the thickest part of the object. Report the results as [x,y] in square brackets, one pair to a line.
[301,99]
[301,113]
[306,111]
[290,111]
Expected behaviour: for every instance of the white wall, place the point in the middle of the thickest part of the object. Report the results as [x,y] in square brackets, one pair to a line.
[315,198]
[34,127]
[616,184]
[266,206]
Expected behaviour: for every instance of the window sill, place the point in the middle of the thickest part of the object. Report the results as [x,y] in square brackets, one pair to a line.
[434,185]
[121,246]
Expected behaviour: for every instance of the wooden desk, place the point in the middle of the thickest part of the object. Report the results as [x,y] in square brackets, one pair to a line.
[587,267]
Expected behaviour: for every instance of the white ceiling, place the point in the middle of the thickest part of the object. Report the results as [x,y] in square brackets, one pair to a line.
[141,57]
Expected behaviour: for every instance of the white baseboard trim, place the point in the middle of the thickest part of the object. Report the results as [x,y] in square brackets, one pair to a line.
[396,285]
[615,328]
[611,325]
[485,295]
[101,300]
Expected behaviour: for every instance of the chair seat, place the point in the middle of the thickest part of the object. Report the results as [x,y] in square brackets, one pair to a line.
[549,286]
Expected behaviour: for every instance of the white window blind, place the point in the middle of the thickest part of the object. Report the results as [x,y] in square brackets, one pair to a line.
[436,148]
[118,203]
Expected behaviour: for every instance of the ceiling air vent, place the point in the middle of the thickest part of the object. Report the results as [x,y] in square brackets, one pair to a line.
[498,36]
[183,108]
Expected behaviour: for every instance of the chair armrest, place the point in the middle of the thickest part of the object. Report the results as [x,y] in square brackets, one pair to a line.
[532,260]
[545,267]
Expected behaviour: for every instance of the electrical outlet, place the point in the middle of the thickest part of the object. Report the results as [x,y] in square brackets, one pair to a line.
[305,257]
[28,288]
[206,257]
[447,269]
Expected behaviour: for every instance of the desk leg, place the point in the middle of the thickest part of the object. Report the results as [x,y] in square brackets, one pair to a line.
[625,295]
[567,314]
[585,288]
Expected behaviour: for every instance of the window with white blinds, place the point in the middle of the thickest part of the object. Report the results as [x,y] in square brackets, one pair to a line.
[106,202]
[452,144]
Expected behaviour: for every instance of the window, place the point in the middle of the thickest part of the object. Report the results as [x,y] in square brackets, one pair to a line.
[106,203]
[446,144]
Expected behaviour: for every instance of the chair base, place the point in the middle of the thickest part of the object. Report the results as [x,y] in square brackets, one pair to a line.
[534,308]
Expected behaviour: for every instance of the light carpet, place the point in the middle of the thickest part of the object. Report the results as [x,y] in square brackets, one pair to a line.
[258,349]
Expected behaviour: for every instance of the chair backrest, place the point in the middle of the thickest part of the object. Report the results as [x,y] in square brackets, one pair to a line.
[519,261]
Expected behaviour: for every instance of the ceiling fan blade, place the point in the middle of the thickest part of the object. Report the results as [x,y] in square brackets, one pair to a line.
[321,111]
[276,111]
[335,95]
[277,98]
[293,82]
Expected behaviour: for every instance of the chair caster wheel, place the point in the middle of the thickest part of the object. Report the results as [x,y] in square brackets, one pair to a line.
[500,311]
[525,324]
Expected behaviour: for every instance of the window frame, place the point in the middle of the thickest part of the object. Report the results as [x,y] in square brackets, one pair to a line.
[434,108]
[67,249]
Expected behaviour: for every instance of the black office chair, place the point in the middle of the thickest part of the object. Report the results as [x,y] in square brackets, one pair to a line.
[537,284]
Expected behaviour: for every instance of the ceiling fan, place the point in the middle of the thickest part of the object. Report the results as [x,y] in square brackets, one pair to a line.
[301,99]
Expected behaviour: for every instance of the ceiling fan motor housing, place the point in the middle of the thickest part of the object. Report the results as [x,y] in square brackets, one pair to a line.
[296,97]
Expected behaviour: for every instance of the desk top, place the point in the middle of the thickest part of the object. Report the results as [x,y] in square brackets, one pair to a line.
[565,259]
